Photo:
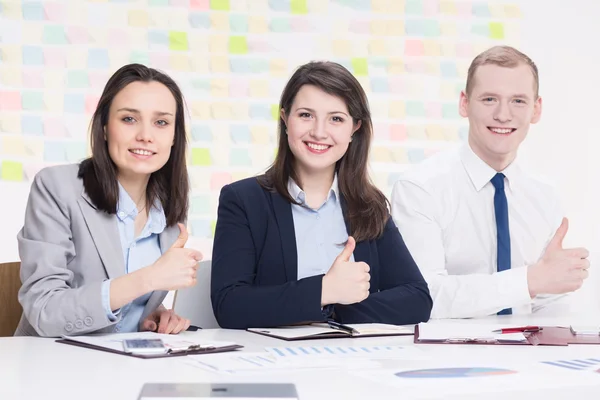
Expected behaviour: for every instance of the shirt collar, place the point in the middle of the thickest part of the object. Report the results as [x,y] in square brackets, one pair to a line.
[299,195]
[480,173]
[126,208]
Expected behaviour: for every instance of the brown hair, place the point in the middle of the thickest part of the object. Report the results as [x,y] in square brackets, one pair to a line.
[170,184]
[502,56]
[365,206]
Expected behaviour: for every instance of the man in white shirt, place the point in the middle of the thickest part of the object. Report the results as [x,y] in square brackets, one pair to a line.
[486,234]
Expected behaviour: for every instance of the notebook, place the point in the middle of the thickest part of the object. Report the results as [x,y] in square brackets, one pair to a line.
[178,345]
[333,330]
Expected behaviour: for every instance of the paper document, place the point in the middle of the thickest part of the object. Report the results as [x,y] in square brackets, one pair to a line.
[443,331]
[585,330]
[345,352]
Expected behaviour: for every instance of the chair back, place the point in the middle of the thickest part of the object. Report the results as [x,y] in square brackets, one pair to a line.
[194,303]
[10,308]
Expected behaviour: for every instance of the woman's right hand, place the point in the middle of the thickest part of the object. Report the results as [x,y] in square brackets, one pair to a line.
[176,268]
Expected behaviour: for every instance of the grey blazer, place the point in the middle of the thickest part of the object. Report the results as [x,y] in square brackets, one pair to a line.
[67,249]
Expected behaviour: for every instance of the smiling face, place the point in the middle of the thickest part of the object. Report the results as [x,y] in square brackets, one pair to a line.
[141,129]
[501,106]
[319,130]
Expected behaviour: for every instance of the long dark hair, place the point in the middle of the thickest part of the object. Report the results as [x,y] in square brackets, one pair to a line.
[169,185]
[365,206]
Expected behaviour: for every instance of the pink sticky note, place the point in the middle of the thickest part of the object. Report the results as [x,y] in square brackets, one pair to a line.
[398,132]
[54,12]
[33,79]
[54,57]
[200,4]
[160,61]
[118,38]
[397,84]
[433,110]
[258,46]
[238,88]
[10,101]
[431,151]
[91,102]
[414,47]
[219,179]
[77,35]
[300,24]
[54,127]
[464,49]
[31,170]
[362,27]
[381,131]
[464,8]
[430,8]
[98,79]
[415,66]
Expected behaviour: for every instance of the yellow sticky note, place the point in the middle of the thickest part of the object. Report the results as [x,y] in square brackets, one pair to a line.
[318,6]
[219,5]
[381,154]
[12,171]
[360,66]
[448,7]
[434,132]
[496,30]
[261,156]
[278,67]
[448,28]
[240,111]
[399,155]
[447,90]
[260,134]
[137,18]
[11,76]
[200,63]
[156,19]
[199,177]
[98,36]
[198,44]
[496,10]
[77,11]
[13,146]
[201,156]
[448,49]
[138,38]
[12,10]
[395,66]
[219,64]
[259,88]
[340,27]
[298,7]
[10,123]
[178,17]
[180,62]
[377,47]
[512,11]
[219,87]
[238,45]
[397,109]
[54,79]
[257,24]
[220,110]
[218,44]
[178,41]
[275,113]
[33,34]
[432,48]
[341,48]
[365,82]
[219,22]
[34,147]
[54,101]
[11,54]
[200,110]
[378,27]
[221,154]
[380,109]
[416,132]
[77,58]
[380,6]
[394,27]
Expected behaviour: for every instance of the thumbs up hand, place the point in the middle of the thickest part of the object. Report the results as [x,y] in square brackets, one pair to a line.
[346,282]
[176,268]
[559,270]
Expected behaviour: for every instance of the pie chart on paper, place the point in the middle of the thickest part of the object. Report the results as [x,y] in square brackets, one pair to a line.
[453,373]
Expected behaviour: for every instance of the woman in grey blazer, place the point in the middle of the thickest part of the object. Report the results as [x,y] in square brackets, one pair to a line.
[103,241]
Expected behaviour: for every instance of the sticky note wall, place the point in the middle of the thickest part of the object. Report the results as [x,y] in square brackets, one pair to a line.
[232,59]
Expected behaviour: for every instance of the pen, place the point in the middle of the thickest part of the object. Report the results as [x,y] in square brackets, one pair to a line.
[341,327]
[519,329]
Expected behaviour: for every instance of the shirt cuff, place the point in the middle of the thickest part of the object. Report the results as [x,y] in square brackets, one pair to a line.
[111,315]
[513,286]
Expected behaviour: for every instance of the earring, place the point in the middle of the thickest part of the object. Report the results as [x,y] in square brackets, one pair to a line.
[286,131]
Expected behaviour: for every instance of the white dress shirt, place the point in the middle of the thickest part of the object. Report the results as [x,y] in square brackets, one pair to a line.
[444,209]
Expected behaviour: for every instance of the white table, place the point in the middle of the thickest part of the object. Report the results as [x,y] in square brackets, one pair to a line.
[36,368]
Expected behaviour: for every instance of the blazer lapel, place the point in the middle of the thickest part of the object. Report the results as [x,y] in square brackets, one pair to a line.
[105,234]
[285,221]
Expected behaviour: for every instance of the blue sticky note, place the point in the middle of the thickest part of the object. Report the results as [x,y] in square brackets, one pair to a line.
[481,9]
[448,69]
[32,101]
[238,23]
[54,34]
[55,152]
[201,133]
[463,132]
[413,27]
[280,25]
[379,62]
[158,2]
[98,58]
[33,11]
[422,27]
[33,55]
[158,37]
[74,103]
[32,125]
[201,227]
[450,110]
[259,65]
[202,85]
[414,7]
[280,5]
[200,204]
[415,109]
[240,134]
[481,30]
[140,57]
[380,84]
[239,65]
[75,151]
[239,157]
[260,111]
[199,20]
[415,155]
[78,79]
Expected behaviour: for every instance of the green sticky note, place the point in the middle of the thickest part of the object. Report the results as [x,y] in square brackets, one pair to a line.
[450,111]
[54,34]
[240,157]
[12,171]
[76,151]
[415,109]
[298,7]
[178,41]
[496,30]
[238,23]
[213,227]
[32,101]
[482,30]
[431,28]
[360,66]
[280,25]
[158,2]
[275,111]
[219,5]
[238,45]
[201,157]
[413,7]
[200,205]
[78,79]
[140,57]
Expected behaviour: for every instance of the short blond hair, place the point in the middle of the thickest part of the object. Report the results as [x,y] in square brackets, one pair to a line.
[502,56]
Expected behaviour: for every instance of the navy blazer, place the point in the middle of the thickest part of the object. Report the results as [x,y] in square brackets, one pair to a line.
[255,282]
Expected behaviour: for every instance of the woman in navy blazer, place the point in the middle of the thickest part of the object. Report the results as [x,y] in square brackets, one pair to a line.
[312,238]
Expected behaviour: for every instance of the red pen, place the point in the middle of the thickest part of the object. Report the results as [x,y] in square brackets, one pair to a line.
[519,329]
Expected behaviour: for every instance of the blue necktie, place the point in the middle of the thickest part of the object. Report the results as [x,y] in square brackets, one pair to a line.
[503,235]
